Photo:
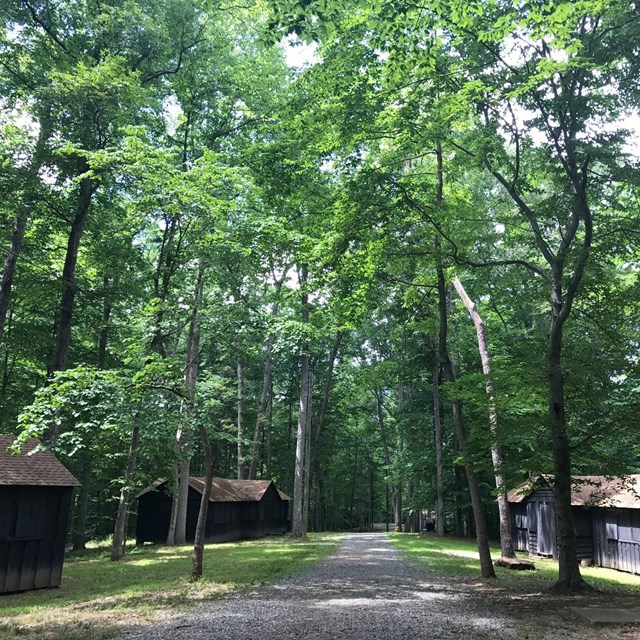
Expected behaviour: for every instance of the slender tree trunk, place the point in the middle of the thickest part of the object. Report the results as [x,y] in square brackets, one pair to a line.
[269,432]
[122,516]
[387,459]
[65,314]
[79,536]
[184,434]
[482,538]
[240,425]
[306,494]
[198,544]
[23,212]
[316,426]
[262,408]
[506,540]
[437,427]
[299,526]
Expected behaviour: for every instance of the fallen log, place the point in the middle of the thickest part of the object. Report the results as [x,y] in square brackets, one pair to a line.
[517,564]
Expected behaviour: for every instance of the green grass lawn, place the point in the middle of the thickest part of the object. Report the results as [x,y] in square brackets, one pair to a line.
[455,556]
[97,595]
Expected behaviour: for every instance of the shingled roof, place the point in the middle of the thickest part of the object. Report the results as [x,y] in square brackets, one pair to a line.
[590,491]
[225,490]
[41,468]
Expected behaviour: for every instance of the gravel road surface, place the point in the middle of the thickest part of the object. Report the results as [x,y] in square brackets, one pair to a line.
[365,591]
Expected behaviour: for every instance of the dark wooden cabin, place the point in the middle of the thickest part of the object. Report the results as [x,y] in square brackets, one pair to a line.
[35,498]
[606,513]
[238,509]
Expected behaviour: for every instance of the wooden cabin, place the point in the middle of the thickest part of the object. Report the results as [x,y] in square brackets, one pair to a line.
[606,513]
[238,509]
[35,499]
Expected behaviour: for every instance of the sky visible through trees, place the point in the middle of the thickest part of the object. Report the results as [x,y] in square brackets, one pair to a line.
[231,234]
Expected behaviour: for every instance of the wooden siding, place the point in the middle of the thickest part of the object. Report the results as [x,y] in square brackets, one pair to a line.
[33,527]
[617,539]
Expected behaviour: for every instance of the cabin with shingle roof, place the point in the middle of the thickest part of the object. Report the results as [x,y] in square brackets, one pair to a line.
[238,510]
[606,513]
[35,499]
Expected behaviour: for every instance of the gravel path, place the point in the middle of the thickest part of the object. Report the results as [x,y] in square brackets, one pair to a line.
[365,591]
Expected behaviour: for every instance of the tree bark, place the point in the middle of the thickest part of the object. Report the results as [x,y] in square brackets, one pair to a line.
[183,441]
[79,536]
[240,425]
[65,313]
[437,427]
[198,543]
[262,408]
[482,538]
[506,540]
[298,525]
[22,217]
[122,516]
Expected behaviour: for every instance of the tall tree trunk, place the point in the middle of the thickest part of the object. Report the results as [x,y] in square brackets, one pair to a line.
[184,440]
[437,428]
[266,390]
[482,538]
[65,314]
[569,576]
[316,426]
[306,494]
[262,408]
[23,212]
[198,544]
[298,525]
[506,540]
[240,425]
[122,516]
[386,454]
[79,535]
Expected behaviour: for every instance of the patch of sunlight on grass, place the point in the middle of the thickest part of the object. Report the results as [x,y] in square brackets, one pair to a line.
[97,595]
[450,556]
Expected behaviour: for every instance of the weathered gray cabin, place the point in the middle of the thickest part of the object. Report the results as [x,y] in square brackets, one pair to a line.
[606,514]
[238,509]
[35,499]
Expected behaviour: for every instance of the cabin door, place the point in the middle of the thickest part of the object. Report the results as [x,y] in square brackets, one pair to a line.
[546,529]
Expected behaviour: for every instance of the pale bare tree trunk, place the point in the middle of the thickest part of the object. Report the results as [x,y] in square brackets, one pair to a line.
[482,538]
[122,516]
[506,541]
[437,427]
[298,525]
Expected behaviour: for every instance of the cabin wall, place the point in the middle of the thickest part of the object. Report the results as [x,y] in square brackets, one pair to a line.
[226,521]
[519,526]
[33,528]
[617,539]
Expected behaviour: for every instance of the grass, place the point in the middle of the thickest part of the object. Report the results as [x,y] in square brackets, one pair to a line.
[97,596]
[455,556]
